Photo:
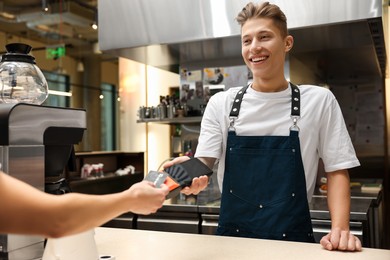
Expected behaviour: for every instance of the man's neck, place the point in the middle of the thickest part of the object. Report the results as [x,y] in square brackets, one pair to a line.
[269,85]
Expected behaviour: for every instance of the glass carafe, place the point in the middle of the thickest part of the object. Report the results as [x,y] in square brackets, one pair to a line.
[20,79]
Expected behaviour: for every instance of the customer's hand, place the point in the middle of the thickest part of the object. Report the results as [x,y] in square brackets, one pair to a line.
[341,240]
[145,198]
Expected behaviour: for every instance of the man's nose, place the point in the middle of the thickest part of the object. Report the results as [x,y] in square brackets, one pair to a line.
[255,46]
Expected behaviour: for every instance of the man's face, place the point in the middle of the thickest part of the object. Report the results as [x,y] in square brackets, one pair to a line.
[263,48]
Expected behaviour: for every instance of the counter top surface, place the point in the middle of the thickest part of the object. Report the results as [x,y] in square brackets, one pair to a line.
[126,244]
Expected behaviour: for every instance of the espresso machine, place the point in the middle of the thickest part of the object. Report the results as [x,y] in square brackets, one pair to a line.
[36,144]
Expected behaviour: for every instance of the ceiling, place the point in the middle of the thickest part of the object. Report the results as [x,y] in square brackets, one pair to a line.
[65,22]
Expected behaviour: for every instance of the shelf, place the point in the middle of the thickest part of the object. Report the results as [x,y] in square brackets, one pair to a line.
[112,161]
[107,184]
[176,120]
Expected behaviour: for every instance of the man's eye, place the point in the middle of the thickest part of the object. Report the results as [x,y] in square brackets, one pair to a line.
[246,42]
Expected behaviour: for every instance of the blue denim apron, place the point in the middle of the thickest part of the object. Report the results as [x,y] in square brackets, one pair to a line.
[264,188]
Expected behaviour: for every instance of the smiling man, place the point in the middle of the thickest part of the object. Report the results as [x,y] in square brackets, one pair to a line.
[264,46]
[268,138]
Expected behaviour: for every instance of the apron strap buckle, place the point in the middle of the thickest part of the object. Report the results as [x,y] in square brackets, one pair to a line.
[231,125]
[295,126]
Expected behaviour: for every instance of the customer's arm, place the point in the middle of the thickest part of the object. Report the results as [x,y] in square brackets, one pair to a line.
[339,203]
[26,210]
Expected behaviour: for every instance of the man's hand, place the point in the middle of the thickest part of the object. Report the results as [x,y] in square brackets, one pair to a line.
[341,240]
[197,185]
[177,160]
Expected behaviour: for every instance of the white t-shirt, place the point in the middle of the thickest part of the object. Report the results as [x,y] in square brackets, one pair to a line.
[322,134]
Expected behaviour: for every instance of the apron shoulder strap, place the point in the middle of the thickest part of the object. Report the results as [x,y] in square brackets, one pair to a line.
[237,102]
[295,100]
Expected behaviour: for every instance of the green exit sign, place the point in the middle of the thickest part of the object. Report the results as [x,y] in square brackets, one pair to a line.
[55,52]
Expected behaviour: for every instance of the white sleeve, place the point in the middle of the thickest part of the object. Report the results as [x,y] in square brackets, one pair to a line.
[335,147]
[211,136]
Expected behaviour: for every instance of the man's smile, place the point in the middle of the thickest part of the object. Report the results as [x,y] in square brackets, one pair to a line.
[258,59]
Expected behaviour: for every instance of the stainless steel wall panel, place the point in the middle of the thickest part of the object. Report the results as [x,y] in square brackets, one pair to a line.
[127,24]
[203,33]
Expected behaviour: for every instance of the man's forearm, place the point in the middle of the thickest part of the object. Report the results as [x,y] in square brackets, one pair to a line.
[339,202]
[208,161]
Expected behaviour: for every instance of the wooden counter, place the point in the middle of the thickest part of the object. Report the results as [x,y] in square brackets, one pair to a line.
[126,244]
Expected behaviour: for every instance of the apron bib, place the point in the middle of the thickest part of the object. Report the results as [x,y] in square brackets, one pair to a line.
[264,188]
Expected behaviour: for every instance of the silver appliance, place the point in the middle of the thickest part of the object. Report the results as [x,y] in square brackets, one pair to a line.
[36,143]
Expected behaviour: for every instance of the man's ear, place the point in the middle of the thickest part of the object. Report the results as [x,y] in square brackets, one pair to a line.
[289,43]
